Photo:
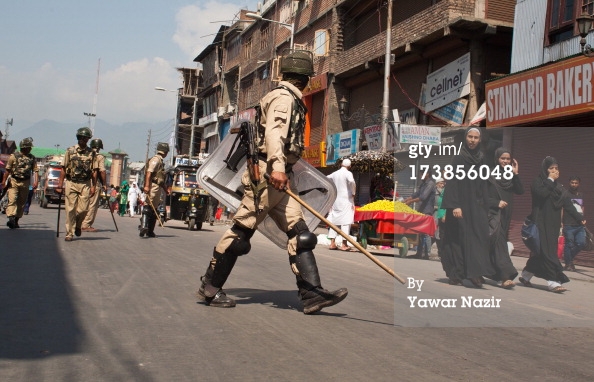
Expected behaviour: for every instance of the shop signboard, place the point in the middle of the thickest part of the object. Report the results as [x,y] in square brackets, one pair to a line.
[448,83]
[341,144]
[421,134]
[551,91]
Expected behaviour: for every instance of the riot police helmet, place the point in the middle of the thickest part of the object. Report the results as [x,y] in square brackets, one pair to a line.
[96,144]
[84,132]
[163,147]
[298,62]
[26,143]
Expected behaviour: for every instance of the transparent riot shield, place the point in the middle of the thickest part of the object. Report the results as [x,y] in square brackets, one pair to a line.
[312,186]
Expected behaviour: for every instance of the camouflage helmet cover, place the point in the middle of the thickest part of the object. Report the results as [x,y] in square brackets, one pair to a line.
[299,61]
[84,132]
[163,147]
[96,143]
[26,143]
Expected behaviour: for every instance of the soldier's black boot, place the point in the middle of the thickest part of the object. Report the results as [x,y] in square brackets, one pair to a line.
[144,221]
[205,279]
[16,223]
[151,225]
[11,222]
[311,293]
[213,280]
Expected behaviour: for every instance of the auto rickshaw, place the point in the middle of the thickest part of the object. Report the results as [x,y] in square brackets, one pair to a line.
[188,201]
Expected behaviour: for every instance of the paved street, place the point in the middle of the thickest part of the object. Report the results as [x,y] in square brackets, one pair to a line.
[111,306]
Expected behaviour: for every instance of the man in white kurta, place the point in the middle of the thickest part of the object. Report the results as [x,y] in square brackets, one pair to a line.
[343,209]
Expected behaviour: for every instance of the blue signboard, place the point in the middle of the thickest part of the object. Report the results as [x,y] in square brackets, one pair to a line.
[341,144]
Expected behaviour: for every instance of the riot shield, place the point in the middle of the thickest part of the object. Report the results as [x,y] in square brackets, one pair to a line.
[312,186]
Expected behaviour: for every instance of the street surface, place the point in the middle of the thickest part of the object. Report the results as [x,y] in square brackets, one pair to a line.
[111,306]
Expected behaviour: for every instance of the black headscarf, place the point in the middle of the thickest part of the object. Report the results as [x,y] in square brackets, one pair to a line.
[472,156]
[502,183]
[559,193]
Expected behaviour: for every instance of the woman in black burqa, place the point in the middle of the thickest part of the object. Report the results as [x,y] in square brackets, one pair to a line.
[501,193]
[548,199]
[466,201]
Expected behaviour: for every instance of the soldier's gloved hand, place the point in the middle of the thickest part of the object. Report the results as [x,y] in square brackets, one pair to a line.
[279,180]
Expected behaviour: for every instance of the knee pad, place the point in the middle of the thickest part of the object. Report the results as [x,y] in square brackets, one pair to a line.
[306,240]
[241,245]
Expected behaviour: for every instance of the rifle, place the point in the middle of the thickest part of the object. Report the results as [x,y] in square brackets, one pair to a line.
[246,136]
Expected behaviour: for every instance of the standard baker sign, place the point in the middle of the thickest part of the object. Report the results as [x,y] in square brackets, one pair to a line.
[560,89]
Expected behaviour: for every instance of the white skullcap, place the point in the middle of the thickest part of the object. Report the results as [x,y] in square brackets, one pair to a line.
[346,163]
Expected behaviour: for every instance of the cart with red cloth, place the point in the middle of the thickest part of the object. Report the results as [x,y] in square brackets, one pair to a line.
[397,228]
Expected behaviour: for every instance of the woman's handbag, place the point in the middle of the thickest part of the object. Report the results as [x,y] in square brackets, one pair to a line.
[530,235]
[589,246]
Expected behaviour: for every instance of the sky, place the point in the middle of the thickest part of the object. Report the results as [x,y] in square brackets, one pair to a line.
[50,52]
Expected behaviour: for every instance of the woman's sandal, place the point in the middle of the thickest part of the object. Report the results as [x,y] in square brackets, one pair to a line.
[347,249]
[525,282]
[333,248]
[558,289]
[455,281]
[508,284]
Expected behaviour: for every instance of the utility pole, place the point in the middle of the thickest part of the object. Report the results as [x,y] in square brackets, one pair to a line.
[387,66]
[148,146]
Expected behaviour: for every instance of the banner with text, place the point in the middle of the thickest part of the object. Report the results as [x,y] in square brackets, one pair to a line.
[555,90]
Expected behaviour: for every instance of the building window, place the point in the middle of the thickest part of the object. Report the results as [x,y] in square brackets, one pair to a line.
[561,19]
[321,42]
[247,49]
[588,6]
[264,37]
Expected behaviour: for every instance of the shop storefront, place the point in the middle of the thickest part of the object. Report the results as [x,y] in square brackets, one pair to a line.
[547,111]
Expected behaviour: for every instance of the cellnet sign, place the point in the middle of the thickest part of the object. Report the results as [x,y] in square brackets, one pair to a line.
[556,90]
[448,83]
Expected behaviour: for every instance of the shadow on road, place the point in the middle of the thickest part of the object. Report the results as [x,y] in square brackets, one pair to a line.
[37,316]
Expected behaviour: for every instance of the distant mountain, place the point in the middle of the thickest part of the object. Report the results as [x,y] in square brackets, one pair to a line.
[130,137]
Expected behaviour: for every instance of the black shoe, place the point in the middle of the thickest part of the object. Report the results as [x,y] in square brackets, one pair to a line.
[16,224]
[143,231]
[220,300]
[571,266]
[77,231]
[151,234]
[318,298]
[11,223]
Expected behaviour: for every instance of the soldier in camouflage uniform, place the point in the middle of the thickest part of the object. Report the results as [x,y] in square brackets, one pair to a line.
[96,146]
[20,166]
[79,169]
[281,128]
[154,184]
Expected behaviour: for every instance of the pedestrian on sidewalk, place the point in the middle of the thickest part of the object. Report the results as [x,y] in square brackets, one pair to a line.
[502,189]
[133,195]
[573,230]
[466,242]
[342,212]
[425,196]
[548,199]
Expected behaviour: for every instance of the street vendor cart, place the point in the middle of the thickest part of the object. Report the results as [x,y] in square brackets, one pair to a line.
[399,228]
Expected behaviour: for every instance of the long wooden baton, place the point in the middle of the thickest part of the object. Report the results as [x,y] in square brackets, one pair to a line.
[341,233]
[110,210]
[59,208]
[155,211]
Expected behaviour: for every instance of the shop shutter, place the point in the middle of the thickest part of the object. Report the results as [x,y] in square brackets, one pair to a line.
[573,147]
